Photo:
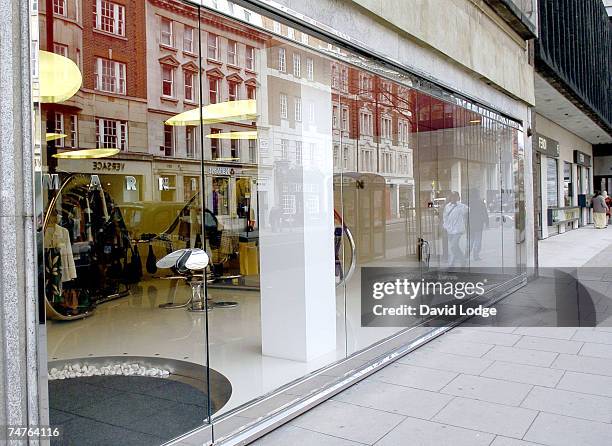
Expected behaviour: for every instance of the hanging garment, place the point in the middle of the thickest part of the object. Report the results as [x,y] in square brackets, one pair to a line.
[53,275]
[59,238]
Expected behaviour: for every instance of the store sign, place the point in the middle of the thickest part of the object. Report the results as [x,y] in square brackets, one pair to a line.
[219,170]
[108,166]
[51,181]
[546,146]
[582,158]
[130,183]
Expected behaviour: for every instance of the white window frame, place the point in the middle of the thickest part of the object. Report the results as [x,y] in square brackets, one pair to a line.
[59,7]
[282,60]
[121,134]
[233,54]
[61,49]
[297,65]
[283,106]
[118,76]
[344,119]
[250,57]
[236,85]
[167,69]
[299,152]
[112,24]
[172,145]
[166,37]
[190,133]
[212,51]
[284,149]
[386,126]
[188,39]
[188,74]
[217,82]
[335,116]
[298,109]
[304,38]
[276,26]
[310,69]
[59,128]
[74,131]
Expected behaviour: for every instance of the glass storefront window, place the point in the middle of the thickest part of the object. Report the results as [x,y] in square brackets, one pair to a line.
[298,165]
[552,182]
[567,184]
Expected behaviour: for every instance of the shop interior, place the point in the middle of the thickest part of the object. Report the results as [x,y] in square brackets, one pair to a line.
[340,165]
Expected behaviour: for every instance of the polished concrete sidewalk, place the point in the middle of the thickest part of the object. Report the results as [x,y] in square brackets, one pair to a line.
[486,386]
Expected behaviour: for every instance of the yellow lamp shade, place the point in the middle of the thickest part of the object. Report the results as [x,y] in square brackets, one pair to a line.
[54,136]
[87,154]
[60,78]
[251,134]
[224,111]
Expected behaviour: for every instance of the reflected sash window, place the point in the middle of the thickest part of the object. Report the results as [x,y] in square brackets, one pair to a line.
[252,150]
[310,69]
[282,64]
[232,52]
[298,109]
[297,68]
[345,119]
[167,81]
[213,90]
[166,32]
[188,39]
[213,46]
[189,77]
[73,136]
[59,7]
[60,49]
[215,149]
[283,106]
[298,152]
[284,149]
[233,91]
[110,76]
[345,158]
[235,148]
[335,117]
[190,141]
[59,128]
[250,58]
[109,17]
[111,133]
[251,91]
[168,140]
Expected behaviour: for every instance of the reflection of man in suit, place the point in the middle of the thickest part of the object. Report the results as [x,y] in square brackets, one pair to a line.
[479,219]
[454,217]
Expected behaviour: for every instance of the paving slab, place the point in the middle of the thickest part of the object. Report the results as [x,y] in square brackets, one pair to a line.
[416,432]
[487,417]
[559,430]
[521,373]
[488,389]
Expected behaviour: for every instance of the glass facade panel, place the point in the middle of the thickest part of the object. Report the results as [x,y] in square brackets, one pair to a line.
[290,164]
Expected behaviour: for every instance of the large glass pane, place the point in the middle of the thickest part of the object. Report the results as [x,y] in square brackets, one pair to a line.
[276,144]
[484,195]
[126,334]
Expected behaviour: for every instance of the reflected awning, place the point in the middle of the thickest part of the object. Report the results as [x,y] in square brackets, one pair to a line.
[214,113]
[250,134]
[60,78]
[80,154]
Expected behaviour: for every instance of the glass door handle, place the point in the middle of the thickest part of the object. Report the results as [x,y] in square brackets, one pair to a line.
[353,263]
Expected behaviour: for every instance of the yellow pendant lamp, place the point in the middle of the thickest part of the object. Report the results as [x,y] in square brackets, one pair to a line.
[250,134]
[242,110]
[59,78]
[87,154]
